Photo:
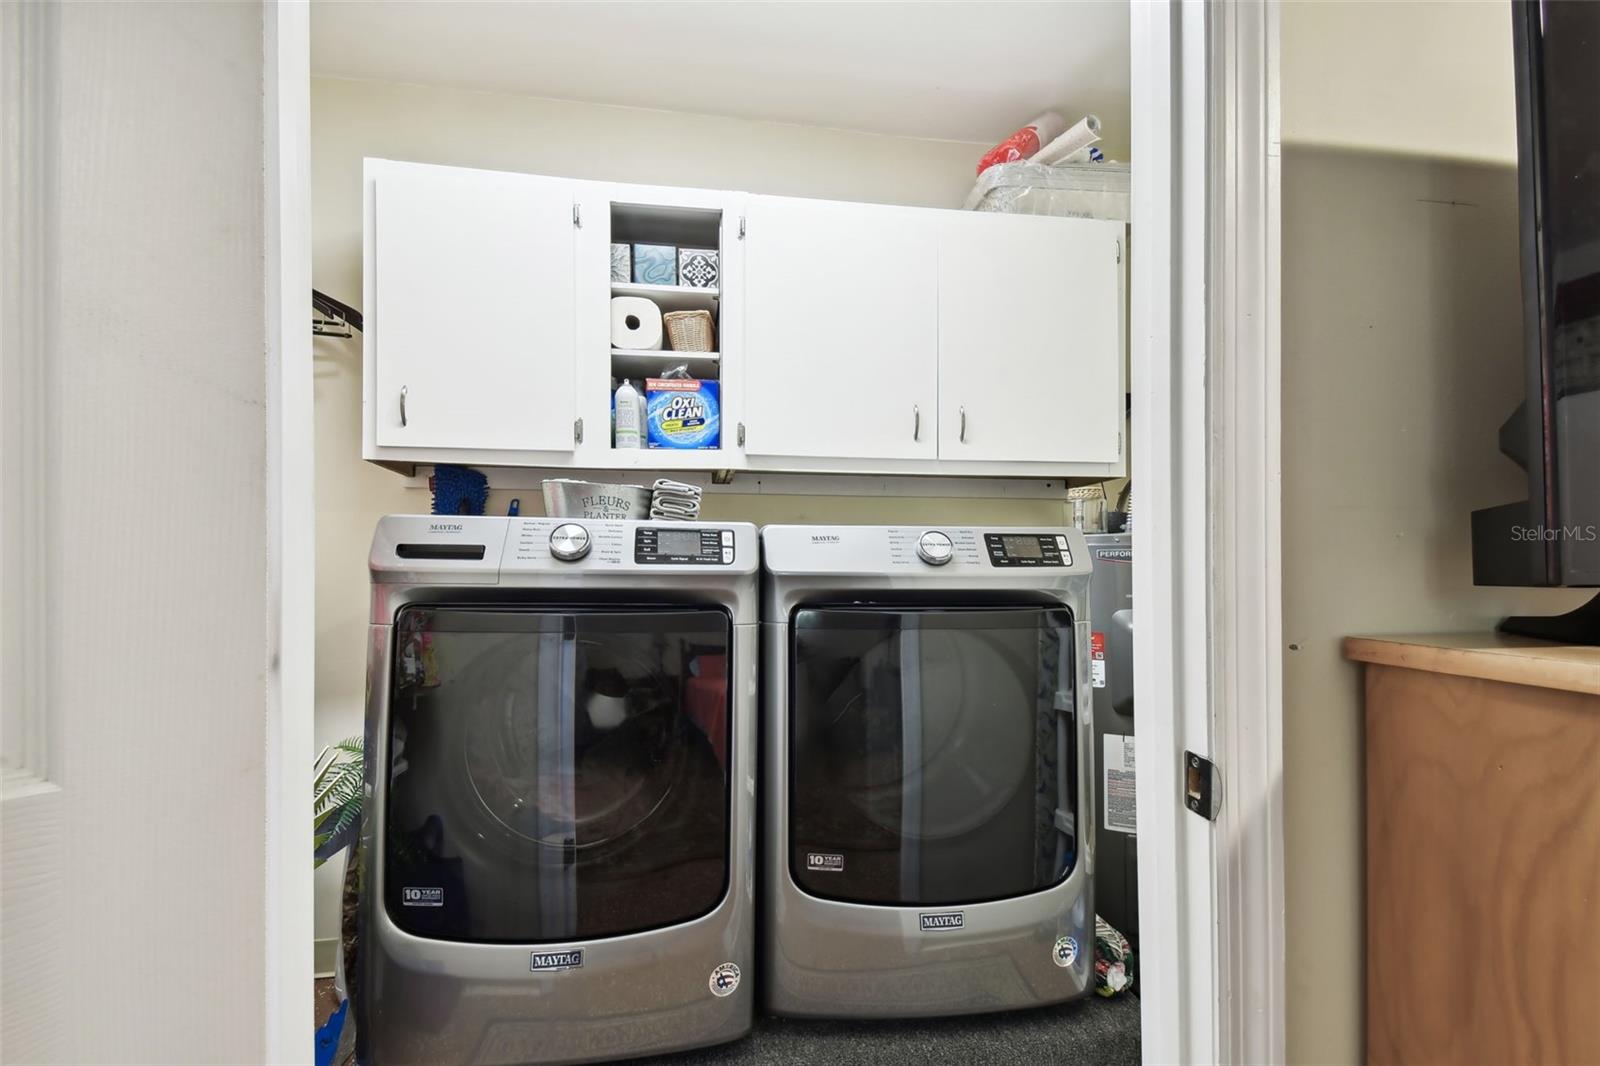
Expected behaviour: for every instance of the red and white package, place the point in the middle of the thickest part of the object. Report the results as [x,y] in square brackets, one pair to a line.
[1026,141]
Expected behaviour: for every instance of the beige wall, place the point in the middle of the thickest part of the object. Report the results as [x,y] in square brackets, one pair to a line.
[1429,78]
[351,120]
[1401,348]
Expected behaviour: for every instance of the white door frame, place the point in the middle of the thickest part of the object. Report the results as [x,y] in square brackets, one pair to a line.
[1245,507]
[291,517]
[1206,467]
[1205,460]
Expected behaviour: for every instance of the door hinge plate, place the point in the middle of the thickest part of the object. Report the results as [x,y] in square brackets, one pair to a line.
[741,227]
[741,435]
[577,431]
[1202,786]
[577,216]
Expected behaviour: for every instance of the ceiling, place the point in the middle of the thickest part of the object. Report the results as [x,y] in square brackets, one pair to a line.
[953,71]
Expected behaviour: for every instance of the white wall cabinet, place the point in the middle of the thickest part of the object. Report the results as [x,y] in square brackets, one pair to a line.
[470,284]
[853,338]
[1030,339]
[841,330]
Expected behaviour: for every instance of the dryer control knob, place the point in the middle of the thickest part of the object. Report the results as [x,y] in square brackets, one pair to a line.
[569,542]
[935,548]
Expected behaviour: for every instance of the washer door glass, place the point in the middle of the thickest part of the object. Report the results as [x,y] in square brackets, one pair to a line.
[929,762]
[556,774]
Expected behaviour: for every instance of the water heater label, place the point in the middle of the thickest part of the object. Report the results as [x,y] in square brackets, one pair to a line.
[1120,816]
[825,862]
[1097,659]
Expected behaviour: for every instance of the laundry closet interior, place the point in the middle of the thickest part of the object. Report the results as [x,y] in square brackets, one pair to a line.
[830,743]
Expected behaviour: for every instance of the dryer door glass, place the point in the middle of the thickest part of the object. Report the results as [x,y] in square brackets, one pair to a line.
[556,775]
[932,753]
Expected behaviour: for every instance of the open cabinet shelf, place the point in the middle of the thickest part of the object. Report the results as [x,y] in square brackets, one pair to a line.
[678,227]
[628,363]
[670,297]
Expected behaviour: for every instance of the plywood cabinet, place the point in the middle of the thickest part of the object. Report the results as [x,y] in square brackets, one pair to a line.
[1482,849]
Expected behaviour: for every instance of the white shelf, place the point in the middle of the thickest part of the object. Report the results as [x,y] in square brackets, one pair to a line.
[667,459]
[670,297]
[632,363]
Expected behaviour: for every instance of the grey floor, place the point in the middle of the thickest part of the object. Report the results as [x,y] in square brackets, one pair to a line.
[1104,1032]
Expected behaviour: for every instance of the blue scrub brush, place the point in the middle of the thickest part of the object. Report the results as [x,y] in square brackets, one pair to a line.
[458,490]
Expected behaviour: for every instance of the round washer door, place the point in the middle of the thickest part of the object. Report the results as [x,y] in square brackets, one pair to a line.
[928,760]
[556,775]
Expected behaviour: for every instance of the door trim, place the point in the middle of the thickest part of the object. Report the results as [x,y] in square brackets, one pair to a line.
[291,531]
[1205,457]
[1247,589]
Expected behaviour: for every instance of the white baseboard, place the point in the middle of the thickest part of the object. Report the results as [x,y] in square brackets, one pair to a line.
[324,950]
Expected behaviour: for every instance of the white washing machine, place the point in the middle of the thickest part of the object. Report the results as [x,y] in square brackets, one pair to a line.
[927,734]
[560,808]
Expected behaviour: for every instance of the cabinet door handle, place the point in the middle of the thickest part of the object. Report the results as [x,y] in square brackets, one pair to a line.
[962,437]
[916,422]
[402,406]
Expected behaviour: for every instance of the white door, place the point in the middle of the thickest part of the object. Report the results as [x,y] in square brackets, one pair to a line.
[473,326]
[840,330]
[1030,338]
[155,677]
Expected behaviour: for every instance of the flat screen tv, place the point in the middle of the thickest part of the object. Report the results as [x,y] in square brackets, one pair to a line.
[1553,537]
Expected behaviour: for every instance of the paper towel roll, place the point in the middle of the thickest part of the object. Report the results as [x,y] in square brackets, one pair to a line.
[635,323]
[1070,143]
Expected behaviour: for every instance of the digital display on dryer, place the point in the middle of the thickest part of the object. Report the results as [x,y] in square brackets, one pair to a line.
[683,547]
[1022,547]
[672,542]
[1027,549]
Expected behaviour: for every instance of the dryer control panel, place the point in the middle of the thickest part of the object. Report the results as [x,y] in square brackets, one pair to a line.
[1028,549]
[681,546]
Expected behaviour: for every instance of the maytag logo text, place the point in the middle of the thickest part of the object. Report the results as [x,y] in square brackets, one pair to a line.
[556,960]
[943,920]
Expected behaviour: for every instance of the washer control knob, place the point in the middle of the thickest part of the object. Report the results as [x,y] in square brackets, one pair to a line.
[935,548]
[569,542]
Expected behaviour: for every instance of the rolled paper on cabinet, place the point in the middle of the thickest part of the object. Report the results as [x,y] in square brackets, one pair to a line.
[1075,140]
[635,323]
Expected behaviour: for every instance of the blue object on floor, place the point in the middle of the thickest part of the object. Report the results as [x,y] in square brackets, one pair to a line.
[459,490]
[515,509]
[328,1035]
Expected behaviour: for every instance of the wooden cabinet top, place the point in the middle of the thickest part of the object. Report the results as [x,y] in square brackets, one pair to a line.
[1491,656]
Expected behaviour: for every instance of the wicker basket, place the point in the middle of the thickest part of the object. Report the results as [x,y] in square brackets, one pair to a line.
[690,331]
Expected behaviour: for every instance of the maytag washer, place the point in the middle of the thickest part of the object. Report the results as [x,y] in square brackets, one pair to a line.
[560,757]
[926,755]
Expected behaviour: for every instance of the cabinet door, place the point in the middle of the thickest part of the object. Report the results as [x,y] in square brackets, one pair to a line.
[840,330]
[1030,339]
[474,316]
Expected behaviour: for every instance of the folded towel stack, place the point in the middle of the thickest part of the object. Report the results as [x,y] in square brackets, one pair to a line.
[675,501]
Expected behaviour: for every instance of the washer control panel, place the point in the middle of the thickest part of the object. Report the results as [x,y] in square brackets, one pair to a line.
[1027,549]
[935,548]
[569,542]
[683,545]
